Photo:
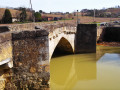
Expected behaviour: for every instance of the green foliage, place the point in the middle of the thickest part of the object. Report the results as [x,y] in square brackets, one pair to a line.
[7,17]
[40,11]
[37,17]
[23,15]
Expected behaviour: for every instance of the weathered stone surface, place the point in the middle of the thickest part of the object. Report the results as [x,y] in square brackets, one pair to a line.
[41,33]
[86,38]
[28,55]
[23,35]
[5,50]
[5,46]
[62,40]
[5,37]
[99,32]
[29,34]
[32,69]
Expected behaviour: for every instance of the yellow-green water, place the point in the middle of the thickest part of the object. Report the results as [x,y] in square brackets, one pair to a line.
[96,71]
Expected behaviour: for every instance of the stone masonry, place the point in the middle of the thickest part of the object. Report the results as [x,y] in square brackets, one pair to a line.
[30,50]
[31,46]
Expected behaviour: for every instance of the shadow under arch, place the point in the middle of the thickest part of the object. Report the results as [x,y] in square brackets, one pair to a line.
[63,48]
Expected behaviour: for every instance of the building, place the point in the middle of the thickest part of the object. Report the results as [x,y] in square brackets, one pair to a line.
[50,18]
[14,19]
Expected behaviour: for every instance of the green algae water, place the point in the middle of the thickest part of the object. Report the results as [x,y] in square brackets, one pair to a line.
[95,71]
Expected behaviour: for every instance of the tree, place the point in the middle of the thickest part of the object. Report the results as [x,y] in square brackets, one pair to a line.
[7,17]
[40,11]
[17,15]
[23,15]
[67,12]
[37,16]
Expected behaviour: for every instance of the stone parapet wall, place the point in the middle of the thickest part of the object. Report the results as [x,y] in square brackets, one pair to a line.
[33,26]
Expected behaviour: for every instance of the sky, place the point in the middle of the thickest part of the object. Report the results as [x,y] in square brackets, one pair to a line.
[61,5]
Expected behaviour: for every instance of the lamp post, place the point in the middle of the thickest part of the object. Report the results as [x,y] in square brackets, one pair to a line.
[111,17]
[64,18]
[94,16]
[77,17]
[32,11]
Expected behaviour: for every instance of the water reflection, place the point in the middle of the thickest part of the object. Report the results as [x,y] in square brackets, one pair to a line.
[68,70]
[110,59]
[98,71]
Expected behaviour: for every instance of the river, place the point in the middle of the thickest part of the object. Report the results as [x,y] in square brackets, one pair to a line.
[95,71]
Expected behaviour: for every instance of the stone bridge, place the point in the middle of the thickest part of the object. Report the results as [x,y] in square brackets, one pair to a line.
[28,48]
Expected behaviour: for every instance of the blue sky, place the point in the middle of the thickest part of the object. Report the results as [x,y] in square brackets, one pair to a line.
[61,5]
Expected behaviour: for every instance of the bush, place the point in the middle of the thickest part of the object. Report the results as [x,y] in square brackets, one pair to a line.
[7,17]
[37,17]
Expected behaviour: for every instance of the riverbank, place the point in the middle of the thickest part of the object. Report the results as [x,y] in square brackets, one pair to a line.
[115,44]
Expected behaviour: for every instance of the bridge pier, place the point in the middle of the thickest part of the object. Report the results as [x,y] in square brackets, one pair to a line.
[30,60]
[85,39]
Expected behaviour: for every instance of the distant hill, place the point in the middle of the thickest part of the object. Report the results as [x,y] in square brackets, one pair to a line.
[113,10]
[52,15]
[108,12]
[14,13]
[60,15]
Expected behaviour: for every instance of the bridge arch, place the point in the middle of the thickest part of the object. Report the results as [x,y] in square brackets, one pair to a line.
[62,40]
[63,47]
[63,44]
